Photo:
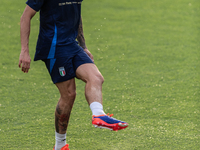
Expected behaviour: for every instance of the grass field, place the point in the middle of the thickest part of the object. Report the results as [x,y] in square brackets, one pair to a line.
[148,53]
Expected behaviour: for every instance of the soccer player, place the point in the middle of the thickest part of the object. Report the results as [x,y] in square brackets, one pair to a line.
[61,46]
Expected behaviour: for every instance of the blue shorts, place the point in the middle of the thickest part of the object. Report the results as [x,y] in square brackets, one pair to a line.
[64,68]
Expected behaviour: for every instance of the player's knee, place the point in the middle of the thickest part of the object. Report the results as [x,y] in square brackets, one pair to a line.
[69,94]
[99,79]
[72,94]
[102,79]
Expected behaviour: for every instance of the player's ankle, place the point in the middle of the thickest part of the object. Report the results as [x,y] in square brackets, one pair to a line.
[97,108]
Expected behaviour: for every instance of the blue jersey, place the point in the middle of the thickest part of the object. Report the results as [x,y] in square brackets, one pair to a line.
[59,22]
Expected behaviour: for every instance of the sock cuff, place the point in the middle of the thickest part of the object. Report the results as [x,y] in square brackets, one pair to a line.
[96,105]
[60,136]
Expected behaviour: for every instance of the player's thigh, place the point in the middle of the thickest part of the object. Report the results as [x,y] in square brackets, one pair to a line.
[85,68]
[67,88]
[89,72]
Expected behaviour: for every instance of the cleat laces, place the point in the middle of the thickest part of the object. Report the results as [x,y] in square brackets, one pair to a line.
[109,115]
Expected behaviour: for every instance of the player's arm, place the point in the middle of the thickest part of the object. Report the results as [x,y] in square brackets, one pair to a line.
[81,39]
[25,23]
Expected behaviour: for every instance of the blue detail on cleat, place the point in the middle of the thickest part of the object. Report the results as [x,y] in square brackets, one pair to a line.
[108,119]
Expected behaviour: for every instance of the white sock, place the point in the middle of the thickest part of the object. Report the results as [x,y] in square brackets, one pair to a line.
[60,140]
[96,108]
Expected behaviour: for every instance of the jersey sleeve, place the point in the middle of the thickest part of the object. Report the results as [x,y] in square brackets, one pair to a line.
[35,4]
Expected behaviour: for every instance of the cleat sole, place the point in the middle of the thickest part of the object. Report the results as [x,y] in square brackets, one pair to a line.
[101,127]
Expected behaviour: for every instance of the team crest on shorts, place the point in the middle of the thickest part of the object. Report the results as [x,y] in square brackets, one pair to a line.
[62,71]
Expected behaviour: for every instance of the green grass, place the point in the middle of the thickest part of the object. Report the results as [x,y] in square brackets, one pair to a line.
[148,53]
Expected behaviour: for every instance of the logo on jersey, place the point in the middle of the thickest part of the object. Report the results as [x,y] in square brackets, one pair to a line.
[62,71]
[68,3]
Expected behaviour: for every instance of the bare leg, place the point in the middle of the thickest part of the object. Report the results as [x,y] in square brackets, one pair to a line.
[93,92]
[90,74]
[67,91]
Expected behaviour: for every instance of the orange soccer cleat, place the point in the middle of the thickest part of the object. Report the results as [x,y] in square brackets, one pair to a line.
[107,122]
[66,147]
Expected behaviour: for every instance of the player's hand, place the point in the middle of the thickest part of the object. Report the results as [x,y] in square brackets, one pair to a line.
[24,61]
[89,54]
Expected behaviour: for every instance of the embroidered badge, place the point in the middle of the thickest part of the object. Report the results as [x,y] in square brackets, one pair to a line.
[62,71]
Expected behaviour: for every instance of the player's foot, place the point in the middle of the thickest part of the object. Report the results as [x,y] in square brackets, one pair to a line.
[107,122]
[66,147]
